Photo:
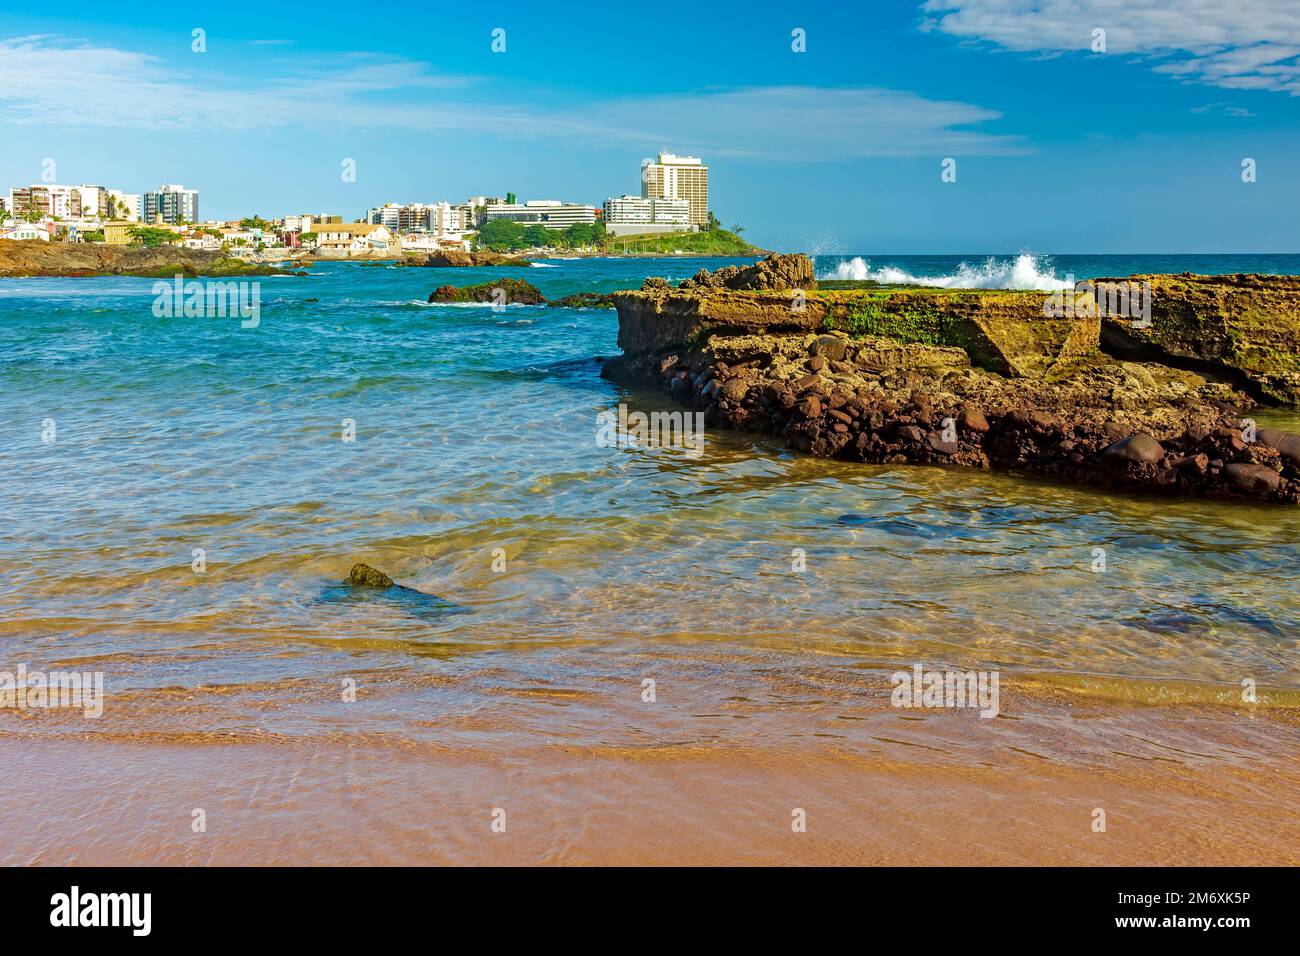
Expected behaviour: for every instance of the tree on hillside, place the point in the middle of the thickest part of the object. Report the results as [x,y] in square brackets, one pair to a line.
[536,235]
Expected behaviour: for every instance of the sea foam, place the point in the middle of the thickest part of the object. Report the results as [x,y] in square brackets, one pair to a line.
[1023,272]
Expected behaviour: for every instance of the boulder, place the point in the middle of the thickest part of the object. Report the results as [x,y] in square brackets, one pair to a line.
[364,576]
[1288,443]
[1250,478]
[1140,448]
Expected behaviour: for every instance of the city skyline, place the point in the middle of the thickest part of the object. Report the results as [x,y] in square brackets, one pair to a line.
[837,148]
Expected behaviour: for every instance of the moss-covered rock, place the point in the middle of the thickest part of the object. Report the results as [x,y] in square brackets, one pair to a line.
[1245,326]
[503,291]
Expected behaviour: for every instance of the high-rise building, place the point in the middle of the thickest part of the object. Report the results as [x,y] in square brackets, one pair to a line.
[678,177]
[170,204]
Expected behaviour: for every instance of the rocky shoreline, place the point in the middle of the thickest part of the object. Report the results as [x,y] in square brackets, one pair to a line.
[34,258]
[984,378]
[457,259]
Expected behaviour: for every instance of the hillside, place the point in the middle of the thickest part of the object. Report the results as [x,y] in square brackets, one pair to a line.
[718,242]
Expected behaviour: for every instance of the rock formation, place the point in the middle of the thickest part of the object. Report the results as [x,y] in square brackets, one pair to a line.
[977,377]
[504,291]
[33,257]
[456,258]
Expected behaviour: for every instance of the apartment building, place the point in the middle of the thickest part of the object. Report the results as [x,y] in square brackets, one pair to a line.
[549,213]
[678,177]
[635,215]
[170,204]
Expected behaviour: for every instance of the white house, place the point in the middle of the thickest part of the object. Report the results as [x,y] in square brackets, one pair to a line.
[350,238]
[25,230]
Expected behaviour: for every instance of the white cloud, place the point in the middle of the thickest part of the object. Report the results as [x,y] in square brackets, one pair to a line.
[52,82]
[1236,44]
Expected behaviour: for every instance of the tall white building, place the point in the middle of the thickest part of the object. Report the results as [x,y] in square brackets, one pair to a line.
[678,177]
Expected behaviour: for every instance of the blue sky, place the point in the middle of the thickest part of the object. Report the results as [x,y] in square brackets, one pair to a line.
[837,149]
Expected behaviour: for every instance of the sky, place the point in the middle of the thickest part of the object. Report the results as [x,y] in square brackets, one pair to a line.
[1064,140]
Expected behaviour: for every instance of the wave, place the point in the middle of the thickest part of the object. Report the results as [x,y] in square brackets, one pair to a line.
[1026,271]
[544,265]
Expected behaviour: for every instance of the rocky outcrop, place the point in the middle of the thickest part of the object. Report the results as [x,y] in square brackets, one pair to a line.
[32,257]
[976,378]
[1245,327]
[770,274]
[503,291]
[456,258]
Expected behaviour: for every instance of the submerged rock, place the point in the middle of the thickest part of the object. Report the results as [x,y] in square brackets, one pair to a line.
[364,576]
[584,300]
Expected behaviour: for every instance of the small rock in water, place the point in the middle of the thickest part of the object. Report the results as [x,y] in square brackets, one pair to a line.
[364,576]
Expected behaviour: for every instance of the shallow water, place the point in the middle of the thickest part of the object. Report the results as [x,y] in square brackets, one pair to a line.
[476,431]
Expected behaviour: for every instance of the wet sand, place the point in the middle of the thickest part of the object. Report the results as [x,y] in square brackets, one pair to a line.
[690,779]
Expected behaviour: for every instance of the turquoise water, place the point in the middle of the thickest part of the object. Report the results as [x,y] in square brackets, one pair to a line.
[476,431]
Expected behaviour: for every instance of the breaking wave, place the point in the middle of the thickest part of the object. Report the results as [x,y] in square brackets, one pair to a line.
[1026,271]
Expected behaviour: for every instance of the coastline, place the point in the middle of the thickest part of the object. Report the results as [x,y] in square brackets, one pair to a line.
[773,687]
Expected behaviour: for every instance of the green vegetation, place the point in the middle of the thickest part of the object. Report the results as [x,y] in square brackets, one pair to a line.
[712,242]
[502,235]
[151,238]
[92,236]
[255,222]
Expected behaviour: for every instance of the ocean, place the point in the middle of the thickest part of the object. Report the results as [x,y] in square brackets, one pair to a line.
[181,506]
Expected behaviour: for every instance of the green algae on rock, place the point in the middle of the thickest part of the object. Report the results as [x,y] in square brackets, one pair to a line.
[503,291]
[886,375]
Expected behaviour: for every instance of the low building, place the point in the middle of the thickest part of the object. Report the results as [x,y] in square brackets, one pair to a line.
[19,231]
[351,238]
[548,213]
[638,215]
[118,232]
